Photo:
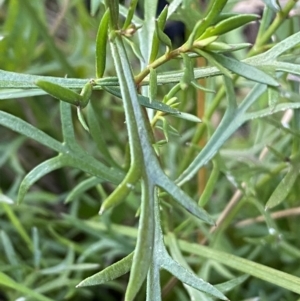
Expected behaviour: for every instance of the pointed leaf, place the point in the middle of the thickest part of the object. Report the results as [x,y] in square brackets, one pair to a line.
[82,187]
[189,278]
[101,41]
[60,92]
[246,266]
[22,127]
[228,25]
[145,101]
[144,245]
[183,199]
[110,273]
[6,281]
[284,187]
[37,173]
[245,70]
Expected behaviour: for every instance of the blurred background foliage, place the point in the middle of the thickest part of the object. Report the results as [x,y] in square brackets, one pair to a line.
[49,244]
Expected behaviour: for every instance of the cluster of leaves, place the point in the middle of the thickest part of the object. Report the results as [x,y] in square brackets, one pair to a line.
[140,167]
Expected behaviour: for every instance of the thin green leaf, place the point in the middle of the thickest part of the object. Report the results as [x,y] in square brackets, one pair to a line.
[82,187]
[144,245]
[19,226]
[97,135]
[223,47]
[19,287]
[110,273]
[257,270]
[190,278]
[153,85]
[273,97]
[163,38]
[188,116]
[37,254]
[275,51]
[211,59]
[228,25]
[86,93]
[130,14]
[214,10]
[145,101]
[183,199]
[113,6]
[229,124]
[231,284]
[210,185]
[284,187]
[153,284]
[82,120]
[60,92]
[101,41]
[245,70]
[11,255]
[37,173]
[123,189]
[20,126]
[188,72]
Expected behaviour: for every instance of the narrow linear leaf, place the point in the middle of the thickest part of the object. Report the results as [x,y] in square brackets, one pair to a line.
[153,85]
[110,273]
[86,93]
[101,41]
[16,80]
[183,199]
[159,25]
[22,127]
[144,245]
[153,284]
[130,14]
[145,101]
[163,38]
[172,7]
[257,270]
[276,50]
[245,70]
[82,119]
[273,97]
[214,10]
[67,125]
[19,287]
[188,116]
[188,72]
[60,92]
[284,188]
[231,284]
[11,255]
[231,121]
[228,25]
[123,189]
[177,255]
[211,59]
[189,278]
[19,226]
[37,173]
[281,107]
[82,187]
[97,135]
[113,6]
[223,47]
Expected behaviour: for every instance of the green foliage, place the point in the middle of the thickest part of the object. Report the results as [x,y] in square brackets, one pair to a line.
[87,198]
